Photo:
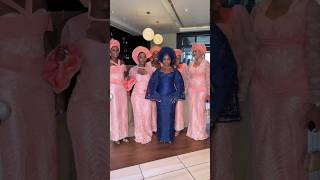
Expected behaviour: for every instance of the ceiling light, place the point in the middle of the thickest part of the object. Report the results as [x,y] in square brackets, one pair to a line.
[158,39]
[186,10]
[148,12]
[148,34]
[112,12]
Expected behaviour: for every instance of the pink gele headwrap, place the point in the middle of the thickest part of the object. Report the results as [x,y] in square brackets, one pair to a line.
[113,43]
[155,48]
[199,46]
[137,51]
[178,52]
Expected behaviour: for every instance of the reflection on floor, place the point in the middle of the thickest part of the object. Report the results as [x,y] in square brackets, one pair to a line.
[132,153]
[190,166]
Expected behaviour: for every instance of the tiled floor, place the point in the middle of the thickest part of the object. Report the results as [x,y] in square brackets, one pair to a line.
[190,166]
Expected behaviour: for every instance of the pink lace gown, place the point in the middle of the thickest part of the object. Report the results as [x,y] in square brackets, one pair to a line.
[179,117]
[118,103]
[151,69]
[236,27]
[141,107]
[198,89]
[284,78]
[87,113]
[27,138]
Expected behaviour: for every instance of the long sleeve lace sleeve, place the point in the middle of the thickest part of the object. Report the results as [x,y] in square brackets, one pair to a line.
[152,93]
[248,64]
[313,50]
[179,84]
[186,78]
[132,72]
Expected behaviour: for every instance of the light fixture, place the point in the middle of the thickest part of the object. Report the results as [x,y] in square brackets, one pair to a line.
[158,39]
[148,34]
[186,10]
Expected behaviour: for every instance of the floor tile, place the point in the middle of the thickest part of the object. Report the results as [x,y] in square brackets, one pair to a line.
[161,166]
[132,173]
[182,174]
[195,158]
[200,172]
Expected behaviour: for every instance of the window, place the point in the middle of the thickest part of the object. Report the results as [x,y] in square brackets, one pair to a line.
[185,40]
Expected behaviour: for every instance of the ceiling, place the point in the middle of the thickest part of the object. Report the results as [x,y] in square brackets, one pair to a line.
[166,16]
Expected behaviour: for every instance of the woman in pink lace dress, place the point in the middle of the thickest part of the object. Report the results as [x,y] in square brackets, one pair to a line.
[198,93]
[27,138]
[183,69]
[140,105]
[119,99]
[152,65]
[86,113]
[284,81]
[235,24]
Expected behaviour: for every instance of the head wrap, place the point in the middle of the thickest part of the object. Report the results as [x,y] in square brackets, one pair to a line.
[137,51]
[155,48]
[199,46]
[169,51]
[113,43]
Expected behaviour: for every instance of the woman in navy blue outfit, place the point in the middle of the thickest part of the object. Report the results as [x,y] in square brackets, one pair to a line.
[166,87]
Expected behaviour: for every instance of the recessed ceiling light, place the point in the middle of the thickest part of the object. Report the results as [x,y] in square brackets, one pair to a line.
[186,10]
[112,12]
[148,12]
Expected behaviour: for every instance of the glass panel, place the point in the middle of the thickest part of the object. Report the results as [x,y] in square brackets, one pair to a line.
[187,55]
[187,41]
[207,56]
[203,39]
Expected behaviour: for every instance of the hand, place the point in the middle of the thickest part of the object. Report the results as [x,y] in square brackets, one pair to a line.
[314,115]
